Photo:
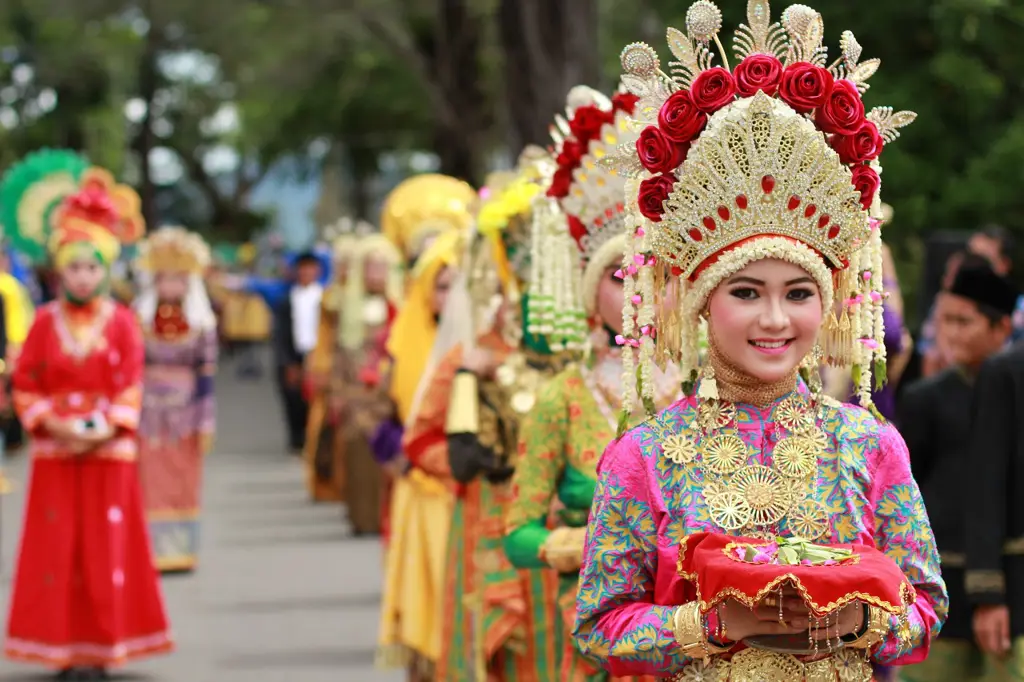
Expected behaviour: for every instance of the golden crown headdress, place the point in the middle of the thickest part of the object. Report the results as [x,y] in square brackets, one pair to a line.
[775,158]
[173,249]
[424,206]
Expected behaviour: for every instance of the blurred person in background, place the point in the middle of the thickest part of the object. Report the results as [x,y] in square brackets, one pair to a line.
[994,528]
[995,245]
[86,595]
[296,320]
[935,419]
[425,209]
[359,407]
[321,455]
[178,401]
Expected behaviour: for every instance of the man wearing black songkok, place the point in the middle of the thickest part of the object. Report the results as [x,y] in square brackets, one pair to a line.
[935,418]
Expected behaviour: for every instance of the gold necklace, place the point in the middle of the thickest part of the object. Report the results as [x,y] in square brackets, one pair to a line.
[755,500]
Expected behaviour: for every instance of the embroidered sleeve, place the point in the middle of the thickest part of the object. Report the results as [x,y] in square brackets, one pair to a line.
[539,461]
[618,625]
[903,532]
[425,441]
[29,392]
[126,405]
[206,408]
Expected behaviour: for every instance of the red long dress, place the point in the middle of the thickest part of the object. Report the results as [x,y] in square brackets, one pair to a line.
[85,591]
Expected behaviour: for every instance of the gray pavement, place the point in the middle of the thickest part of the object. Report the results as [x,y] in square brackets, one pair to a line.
[282,593]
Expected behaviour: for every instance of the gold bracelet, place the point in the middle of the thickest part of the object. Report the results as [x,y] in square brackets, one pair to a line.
[463,405]
[877,629]
[688,629]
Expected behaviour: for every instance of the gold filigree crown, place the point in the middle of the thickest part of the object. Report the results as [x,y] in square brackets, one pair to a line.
[775,157]
[780,145]
[173,249]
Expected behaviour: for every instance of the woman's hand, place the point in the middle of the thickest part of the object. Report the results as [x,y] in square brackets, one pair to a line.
[60,429]
[739,622]
[480,362]
[792,617]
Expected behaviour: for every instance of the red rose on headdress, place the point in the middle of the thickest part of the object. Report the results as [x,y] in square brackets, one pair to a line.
[843,111]
[713,89]
[625,101]
[657,152]
[758,72]
[653,193]
[867,182]
[679,119]
[864,145]
[560,183]
[572,152]
[586,124]
[805,86]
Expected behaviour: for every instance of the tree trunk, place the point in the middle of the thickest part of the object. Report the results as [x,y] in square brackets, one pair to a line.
[548,48]
[147,91]
[461,144]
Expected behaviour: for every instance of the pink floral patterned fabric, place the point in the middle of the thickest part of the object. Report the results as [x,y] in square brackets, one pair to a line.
[645,504]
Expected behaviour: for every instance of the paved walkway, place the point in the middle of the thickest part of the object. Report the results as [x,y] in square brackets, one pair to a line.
[282,594]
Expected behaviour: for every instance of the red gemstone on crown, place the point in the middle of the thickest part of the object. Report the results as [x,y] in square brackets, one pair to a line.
[741,202]
[794,201]
[709,223]
[723,213]
[810,210]
[695,234]
[768,184]
[823,221]
[833,232]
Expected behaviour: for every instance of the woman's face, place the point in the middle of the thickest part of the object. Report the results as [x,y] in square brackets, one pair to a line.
[609,299]
[442,283]
[83,277]
[765,318]
[375,275]
[171,287]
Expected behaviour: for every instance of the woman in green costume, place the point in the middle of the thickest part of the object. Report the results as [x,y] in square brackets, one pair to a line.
[577,302]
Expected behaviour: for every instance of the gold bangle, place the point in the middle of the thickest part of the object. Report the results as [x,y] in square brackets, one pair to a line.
[688,629]
[876,630]
[463,405]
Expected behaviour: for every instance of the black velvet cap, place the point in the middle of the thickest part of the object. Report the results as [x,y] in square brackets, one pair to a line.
[979,283]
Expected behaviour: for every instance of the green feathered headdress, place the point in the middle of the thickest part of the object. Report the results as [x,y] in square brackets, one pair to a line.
[29,193]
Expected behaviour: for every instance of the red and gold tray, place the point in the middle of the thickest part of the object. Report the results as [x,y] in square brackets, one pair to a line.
[721,567]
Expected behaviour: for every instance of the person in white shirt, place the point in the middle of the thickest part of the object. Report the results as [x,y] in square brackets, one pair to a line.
[295,330]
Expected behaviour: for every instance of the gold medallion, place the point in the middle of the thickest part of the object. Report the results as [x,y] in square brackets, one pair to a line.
[729,509]
[764,493]
[796,457]
[724,453]
[679,448]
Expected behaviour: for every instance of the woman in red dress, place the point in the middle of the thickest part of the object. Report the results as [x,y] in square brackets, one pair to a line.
[86,594]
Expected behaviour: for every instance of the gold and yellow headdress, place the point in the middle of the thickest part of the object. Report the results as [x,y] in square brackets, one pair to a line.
[173,249]
[423,207]
[775,158]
